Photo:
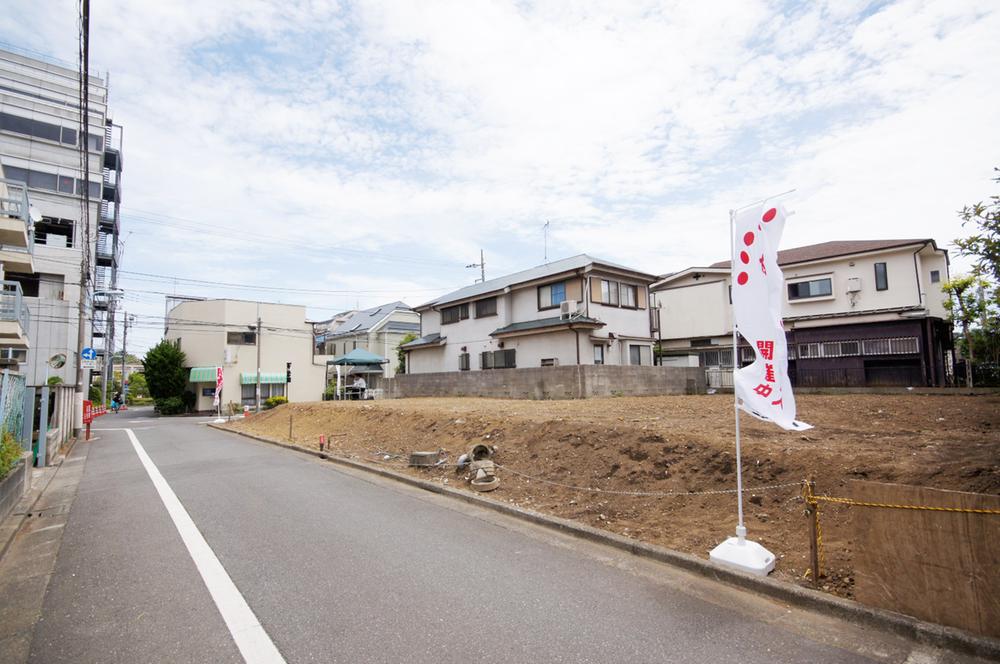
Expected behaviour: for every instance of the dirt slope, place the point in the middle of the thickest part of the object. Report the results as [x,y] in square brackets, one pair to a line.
[677,444]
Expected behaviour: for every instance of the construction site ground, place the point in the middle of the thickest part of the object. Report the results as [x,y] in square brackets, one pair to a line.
[553,454]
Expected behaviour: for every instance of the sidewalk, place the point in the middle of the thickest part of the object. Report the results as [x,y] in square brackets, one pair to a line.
[29,543]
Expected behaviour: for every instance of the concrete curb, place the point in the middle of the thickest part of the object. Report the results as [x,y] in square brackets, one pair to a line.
[926,633]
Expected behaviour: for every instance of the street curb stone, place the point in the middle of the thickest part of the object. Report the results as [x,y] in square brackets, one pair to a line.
[926,633]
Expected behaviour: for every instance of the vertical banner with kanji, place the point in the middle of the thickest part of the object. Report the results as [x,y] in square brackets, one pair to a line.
[763,388]
[218,386]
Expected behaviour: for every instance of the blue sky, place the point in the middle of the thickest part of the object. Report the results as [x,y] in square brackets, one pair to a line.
[371,149]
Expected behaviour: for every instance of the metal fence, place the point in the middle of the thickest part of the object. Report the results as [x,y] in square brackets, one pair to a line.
[716,378]
[12,403]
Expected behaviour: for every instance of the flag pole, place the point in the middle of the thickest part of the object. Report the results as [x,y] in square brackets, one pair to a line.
[741,531]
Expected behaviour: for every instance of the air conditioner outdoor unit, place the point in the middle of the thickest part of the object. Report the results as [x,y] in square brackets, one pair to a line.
[854,285]
[567,308]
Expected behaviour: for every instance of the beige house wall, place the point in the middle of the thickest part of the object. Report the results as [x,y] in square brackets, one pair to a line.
[700,308]
[202,329]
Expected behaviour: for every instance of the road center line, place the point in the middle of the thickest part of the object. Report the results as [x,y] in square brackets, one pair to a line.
[254,643]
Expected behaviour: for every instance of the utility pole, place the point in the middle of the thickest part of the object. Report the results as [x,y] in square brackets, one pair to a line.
[81,336]
[481,265]
[259,335]
[124,352]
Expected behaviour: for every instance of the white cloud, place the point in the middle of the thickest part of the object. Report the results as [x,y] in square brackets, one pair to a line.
[428,130]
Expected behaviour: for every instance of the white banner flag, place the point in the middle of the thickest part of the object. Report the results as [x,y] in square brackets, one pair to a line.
[763,388]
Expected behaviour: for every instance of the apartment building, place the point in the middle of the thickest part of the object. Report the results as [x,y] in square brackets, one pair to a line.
[578,310]
[223,333]
[378,330]
[864,312]
[40,133]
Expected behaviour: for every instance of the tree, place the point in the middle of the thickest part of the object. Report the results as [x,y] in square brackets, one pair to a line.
[137,387]
[401,354]
[965,307]
[975,298]
[984,245]
[164,370]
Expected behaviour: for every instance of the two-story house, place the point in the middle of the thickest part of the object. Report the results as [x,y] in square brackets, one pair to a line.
[378,330]
[578,310]
[223,333]
[857,312]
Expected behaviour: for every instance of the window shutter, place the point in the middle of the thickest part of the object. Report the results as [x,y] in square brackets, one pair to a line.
[595,290]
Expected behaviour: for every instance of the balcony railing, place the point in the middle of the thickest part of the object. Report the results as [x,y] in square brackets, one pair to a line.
[14,204]
[13,306]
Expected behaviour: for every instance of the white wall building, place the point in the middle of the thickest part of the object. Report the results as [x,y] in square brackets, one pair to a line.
[39,138]
[378,330]
[222,333]
[578,310]
[865,312]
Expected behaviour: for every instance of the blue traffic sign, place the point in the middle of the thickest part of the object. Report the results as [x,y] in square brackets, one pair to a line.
[89,354]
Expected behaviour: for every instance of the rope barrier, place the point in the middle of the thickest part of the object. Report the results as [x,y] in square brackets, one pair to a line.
[646,493]
[848,501]
[612,492]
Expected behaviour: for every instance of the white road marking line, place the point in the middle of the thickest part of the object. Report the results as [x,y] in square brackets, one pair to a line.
[254,643]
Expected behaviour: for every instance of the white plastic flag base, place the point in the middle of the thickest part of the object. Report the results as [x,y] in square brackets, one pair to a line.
[745,556]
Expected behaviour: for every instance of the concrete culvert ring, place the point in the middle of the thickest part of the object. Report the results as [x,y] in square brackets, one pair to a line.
[480,452]
[487,484]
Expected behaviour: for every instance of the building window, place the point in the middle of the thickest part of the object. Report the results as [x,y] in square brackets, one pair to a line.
[454,314]
[487,307]
[639,355]
[807,289]
[629,297]
[598,353]
[935,276]
[881,277]
[609,292]
[54,232]
[463,362]
[551,296]
[241,338]
[37,129]
[498,359]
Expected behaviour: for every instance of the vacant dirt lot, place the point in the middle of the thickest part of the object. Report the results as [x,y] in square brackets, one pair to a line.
[677,444]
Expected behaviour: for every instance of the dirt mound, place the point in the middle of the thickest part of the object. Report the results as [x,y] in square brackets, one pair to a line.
[554,455]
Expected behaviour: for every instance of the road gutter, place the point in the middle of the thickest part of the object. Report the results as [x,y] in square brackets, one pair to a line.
[922,632]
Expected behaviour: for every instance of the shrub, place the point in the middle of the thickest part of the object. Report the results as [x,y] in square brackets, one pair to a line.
[10,452]
[164,371]
[94,394]
[271,402]
[169,406]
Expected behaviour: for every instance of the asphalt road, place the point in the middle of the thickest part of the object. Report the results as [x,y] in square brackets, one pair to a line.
[340,566]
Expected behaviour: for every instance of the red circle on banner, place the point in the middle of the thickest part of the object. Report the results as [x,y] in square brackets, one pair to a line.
[748,239]
[742,278]
[770,214]
[745,257]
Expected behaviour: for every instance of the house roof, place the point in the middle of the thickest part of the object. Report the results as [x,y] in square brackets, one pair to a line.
[542,323]
[835,248]
[434,339]
[531,274]
[361,321]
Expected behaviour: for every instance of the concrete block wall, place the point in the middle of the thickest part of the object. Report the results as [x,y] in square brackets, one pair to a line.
[563,382]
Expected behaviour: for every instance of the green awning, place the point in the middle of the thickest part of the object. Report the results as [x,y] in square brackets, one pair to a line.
[202,375]
[251,378]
